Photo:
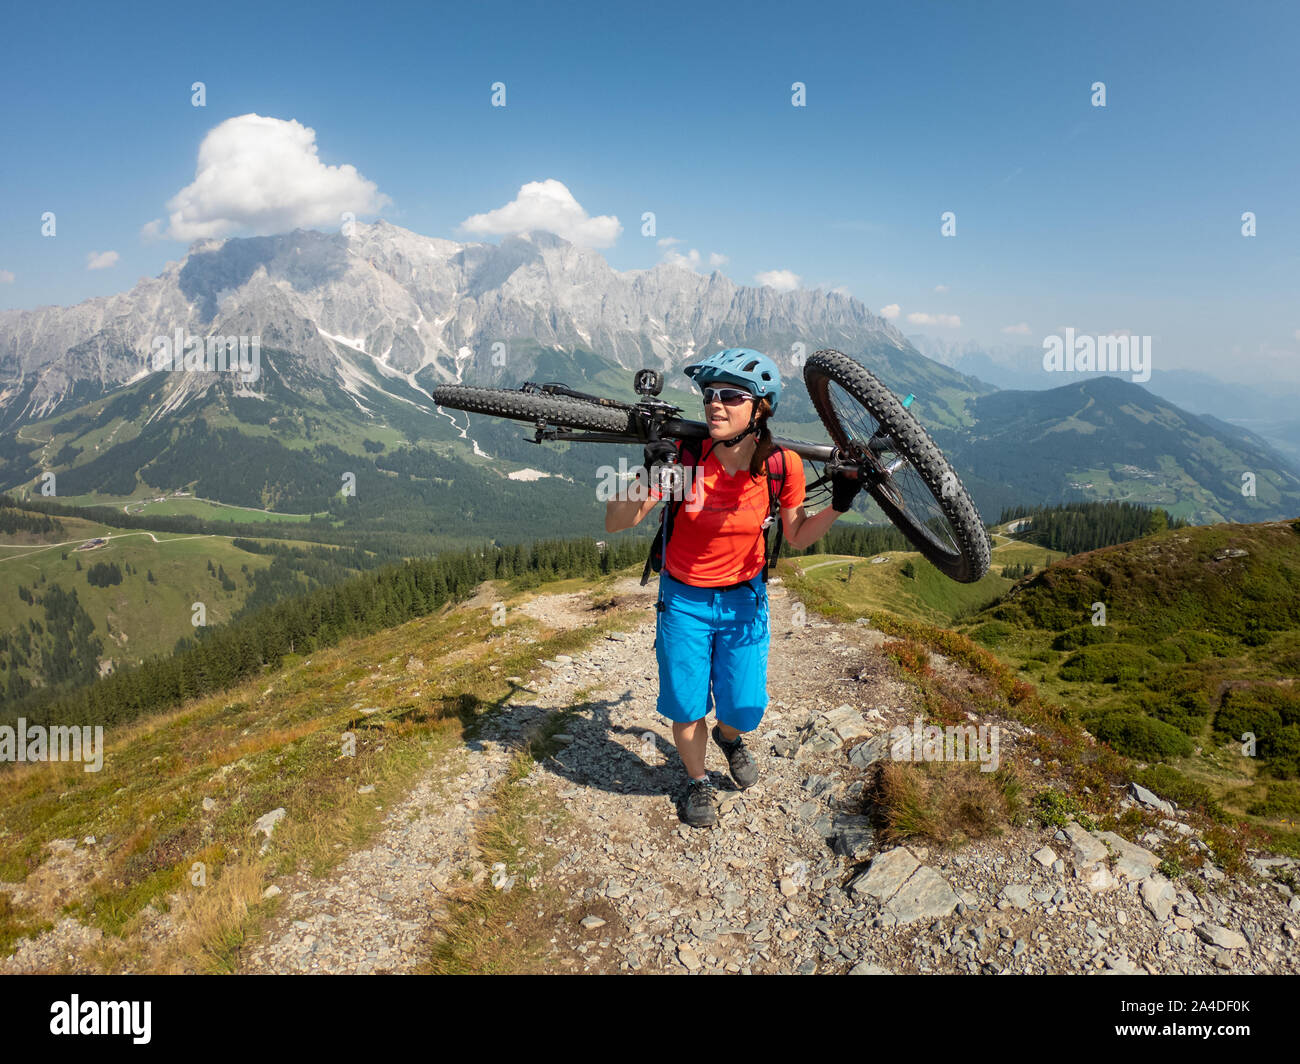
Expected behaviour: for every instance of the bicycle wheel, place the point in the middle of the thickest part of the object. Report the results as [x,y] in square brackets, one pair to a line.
[908,477]
[536,406]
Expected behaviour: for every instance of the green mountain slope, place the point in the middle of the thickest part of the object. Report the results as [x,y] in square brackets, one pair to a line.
[448,473]
[1105,438]
[1200,646]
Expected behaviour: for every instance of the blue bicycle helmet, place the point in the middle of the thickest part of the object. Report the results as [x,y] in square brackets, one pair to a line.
[743,366]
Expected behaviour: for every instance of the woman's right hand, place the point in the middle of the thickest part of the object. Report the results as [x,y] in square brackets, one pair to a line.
[659,452]
[625,512]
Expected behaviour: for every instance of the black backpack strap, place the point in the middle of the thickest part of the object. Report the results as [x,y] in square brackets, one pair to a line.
[775,485]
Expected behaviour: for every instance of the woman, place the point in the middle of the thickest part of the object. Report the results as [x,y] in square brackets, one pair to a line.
[712,627]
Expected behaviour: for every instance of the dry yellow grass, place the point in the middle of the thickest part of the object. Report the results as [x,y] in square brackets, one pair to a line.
[272,741]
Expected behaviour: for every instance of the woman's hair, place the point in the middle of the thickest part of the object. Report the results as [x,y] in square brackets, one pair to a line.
[758,464]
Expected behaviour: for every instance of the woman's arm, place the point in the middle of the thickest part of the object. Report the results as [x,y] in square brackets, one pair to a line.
[802,529]
[625,513]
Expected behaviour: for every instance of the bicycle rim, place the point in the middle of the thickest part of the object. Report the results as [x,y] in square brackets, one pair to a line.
[900,485]
[910,479]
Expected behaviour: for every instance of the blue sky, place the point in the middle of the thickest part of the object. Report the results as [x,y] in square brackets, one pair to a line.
[1122,217]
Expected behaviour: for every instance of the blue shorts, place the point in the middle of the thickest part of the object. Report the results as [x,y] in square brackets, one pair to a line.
[706,638]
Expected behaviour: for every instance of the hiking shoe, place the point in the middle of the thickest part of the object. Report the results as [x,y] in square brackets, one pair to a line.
[744,770]
[701,810]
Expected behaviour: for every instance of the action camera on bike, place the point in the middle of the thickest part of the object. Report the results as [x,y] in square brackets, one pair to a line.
[648,382]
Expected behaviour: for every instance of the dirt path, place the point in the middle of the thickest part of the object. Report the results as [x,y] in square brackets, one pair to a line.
[619,776]
[762,891]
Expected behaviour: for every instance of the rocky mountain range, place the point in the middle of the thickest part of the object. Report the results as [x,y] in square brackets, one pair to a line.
[411,305]
[355,331]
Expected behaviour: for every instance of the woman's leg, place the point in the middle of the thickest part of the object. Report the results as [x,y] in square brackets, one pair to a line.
[739,668]
[692,742]
[684,650]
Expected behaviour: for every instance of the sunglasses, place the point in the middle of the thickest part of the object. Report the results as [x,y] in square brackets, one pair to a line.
[725,396]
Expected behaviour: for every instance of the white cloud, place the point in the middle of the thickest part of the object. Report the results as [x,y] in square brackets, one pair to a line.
[6,277]
[781,280]
[101,260]
[946,321]
[941,289]
[890,312]
[1020,329]
[841,290]
[690,260]
[547,205]
[262,175]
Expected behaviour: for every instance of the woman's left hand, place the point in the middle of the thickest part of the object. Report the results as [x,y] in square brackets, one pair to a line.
[844,489]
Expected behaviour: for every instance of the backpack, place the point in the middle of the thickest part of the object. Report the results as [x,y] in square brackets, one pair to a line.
[690,457]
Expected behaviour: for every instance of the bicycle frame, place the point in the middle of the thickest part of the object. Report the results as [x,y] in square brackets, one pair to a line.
[898,465]
[657,421]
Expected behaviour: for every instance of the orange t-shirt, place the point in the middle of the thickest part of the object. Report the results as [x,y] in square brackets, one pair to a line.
[718,530]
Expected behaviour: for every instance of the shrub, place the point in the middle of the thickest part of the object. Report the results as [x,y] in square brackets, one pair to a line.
[1283,752]
[911,656]
[1082,635]
[1282,803]
[1232,721]
[1186,709]
[992,633]
[1106,664]
[942,802]
[1169,783]
[1141,737]
[1192,646]
[1012,613]
[1054,808]
[1271,712]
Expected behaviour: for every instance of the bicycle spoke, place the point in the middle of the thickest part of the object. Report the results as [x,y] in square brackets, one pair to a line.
[904,486]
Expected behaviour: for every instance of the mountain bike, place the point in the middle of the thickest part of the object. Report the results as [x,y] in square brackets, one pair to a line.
[873,434]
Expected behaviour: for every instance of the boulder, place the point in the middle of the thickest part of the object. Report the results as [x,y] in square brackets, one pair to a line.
[925,896]
[1220,936]
[1150,800]
[1131,860]
[266,823]
[820,742]
[1098,879]
[1086,850]
[1119,964]
[1014,896]
[854,837]
[1157,896]
[864,755]
[847,723]
[889,871]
